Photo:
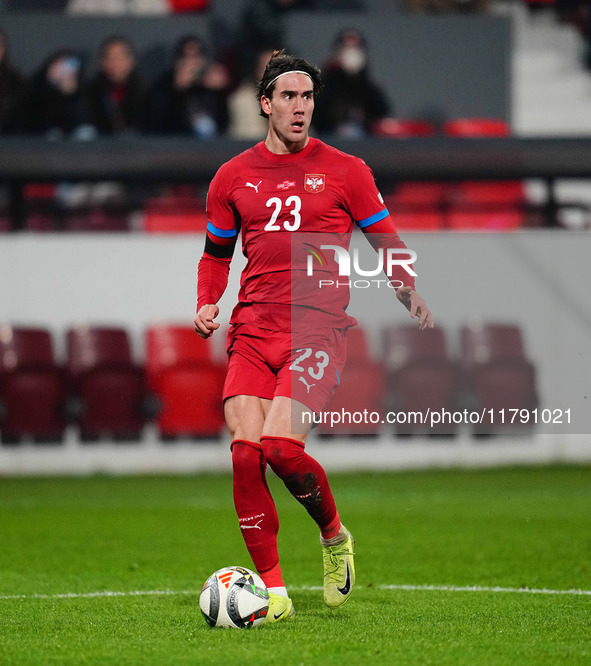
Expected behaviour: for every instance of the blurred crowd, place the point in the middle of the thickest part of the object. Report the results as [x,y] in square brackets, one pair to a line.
[197,95]
[207,90]
[60,100]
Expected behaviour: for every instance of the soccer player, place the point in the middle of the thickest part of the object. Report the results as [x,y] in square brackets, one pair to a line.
[289,183]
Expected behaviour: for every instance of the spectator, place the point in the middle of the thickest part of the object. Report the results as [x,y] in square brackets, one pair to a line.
[57,104]
[246,121]
[12,89]
[191,98]
[352,101]
[118,92]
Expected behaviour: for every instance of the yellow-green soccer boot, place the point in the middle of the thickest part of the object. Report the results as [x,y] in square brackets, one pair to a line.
[339,572]
[280,609]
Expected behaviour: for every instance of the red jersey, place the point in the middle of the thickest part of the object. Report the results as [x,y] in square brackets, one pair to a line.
[268,198]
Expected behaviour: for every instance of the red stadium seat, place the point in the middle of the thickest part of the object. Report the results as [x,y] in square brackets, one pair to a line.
[417,206]
[487,205]
[475,127]
[418,194]
[175,214]
[490,206]
[497,373]
[187,381]
[492,220]
[395,128]
[32,387]
[417,221]
[105,379]
[188,5]
[361,388]
[421,378]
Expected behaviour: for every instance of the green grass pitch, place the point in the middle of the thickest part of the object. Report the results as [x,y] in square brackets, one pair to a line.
[63,540]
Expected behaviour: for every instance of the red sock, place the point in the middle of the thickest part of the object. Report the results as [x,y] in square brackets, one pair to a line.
[256,511]
[305,479]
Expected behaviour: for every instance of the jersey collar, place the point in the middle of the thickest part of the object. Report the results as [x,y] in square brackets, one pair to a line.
[266,154]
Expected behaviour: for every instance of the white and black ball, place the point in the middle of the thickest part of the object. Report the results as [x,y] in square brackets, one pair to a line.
[234,597]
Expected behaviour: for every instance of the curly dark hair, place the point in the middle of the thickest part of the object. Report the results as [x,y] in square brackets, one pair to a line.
[281,63]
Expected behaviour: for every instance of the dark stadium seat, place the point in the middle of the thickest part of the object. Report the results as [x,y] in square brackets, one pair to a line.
[32,386]
[361,388]
[497,375]
[421,378]
[41,221]
[97,218]
[489,343]
[5,222]
[186,380]
[109,386]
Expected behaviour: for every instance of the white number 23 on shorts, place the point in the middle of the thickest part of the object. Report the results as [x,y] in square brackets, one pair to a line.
[315,368]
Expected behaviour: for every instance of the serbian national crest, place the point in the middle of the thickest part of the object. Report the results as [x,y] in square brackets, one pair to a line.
[314,182]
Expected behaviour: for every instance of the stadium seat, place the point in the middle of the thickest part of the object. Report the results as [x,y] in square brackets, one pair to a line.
[417,206]
[488,205]
[175,215]
[489,343]
[186,380]
[108,384]
[97,218]
[32,386]
[41,221]
[188,5]
[497,374]
[395,128]
[476,127]
[421,378]
[5,222]
[361,388]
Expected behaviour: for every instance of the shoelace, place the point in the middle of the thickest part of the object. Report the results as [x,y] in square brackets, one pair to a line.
[333,553]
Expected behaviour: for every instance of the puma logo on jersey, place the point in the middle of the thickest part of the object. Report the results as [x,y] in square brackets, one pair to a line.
[308,386]
[254,187]
[314,182]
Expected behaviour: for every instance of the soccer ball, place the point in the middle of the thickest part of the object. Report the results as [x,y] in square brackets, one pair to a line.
[234,597]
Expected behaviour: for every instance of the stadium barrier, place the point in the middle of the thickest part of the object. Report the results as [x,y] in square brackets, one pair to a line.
[537,280]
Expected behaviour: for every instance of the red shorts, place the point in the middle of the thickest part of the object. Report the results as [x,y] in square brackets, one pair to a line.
[264,363]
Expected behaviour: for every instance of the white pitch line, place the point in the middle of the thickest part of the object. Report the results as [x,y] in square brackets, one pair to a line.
[103,593]
[478,588]
[315,588]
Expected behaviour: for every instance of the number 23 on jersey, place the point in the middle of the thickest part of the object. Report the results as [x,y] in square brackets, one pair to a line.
[292,207]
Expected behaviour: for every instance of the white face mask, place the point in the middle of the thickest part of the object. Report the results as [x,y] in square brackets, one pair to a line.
[353,59]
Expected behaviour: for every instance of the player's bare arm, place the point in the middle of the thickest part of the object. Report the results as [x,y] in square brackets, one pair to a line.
[204,320]
[416,306]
